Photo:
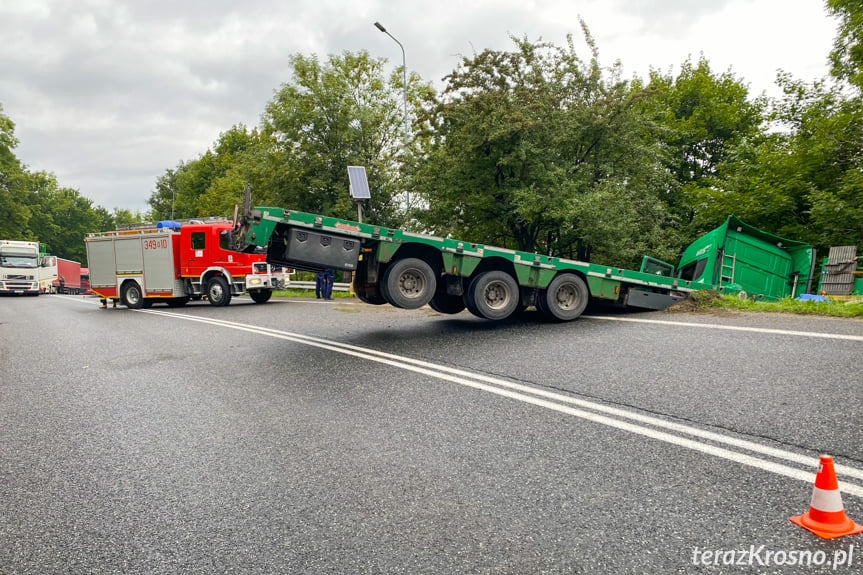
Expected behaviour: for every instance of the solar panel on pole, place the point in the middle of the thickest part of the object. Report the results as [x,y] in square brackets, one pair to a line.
[359,183]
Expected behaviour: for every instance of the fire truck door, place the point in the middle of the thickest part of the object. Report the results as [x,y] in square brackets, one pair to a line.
[197,254]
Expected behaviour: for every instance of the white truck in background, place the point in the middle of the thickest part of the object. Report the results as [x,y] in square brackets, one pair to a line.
[19,267]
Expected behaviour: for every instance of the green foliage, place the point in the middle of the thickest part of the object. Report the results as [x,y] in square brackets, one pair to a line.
[330,116]
[802,182]
[14,213]
[702,115]
[847,54]
[541,150]
[213,183]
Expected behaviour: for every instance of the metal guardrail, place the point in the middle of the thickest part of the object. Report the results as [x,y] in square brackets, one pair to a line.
[311,285]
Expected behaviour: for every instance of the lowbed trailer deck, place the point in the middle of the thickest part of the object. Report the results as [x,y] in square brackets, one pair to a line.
[409,270]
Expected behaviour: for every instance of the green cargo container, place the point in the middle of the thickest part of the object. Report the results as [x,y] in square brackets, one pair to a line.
[739,258]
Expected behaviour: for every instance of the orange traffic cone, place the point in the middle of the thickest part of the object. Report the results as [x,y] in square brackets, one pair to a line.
[826,517]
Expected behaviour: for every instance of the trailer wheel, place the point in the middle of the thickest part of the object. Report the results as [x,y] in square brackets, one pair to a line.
[409,283]
[261,295]
[493,295]
[374,299]
[442,302]
[132,296]
[218,291]
[366,294]
[565,298]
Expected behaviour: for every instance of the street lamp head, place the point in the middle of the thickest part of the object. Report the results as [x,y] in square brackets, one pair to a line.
[380,27]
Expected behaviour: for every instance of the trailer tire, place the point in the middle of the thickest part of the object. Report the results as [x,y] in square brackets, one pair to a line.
[366,294]
[409,283]
[218,291]
[444,303]
[375,299]
[493,295]
[132,295]
[565,298]
[261,295]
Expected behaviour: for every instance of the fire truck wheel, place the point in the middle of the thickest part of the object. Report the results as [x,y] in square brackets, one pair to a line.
[261,295]
[218,292]
[132,296]
[409,283]
[493,295]
[565,298]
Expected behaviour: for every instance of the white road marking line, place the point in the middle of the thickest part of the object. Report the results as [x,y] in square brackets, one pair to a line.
[729,327]
[617,412]
[505,389]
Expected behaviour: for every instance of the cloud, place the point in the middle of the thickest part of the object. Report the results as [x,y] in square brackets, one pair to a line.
[108,94]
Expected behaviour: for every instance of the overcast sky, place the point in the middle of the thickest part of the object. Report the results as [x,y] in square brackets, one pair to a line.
[108,94]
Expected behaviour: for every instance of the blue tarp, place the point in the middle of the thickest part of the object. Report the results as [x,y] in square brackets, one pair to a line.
[812,297]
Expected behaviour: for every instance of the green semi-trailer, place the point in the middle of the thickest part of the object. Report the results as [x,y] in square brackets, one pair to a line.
[409,270]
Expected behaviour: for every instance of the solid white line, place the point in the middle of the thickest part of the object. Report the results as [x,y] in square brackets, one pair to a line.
[505,389]
[729,327]
[645,419]
[617,412]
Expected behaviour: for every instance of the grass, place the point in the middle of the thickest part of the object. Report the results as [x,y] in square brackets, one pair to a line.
[706,299]
[308,293]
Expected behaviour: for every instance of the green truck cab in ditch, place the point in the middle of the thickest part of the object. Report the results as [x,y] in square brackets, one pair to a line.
[409,270]
[737,258]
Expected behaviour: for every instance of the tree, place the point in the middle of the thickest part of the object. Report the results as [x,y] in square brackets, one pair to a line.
[538,149]
[702,115]
[162,199]
[331,115]
[14,213]
[61,217]
[803,181]
[847,54]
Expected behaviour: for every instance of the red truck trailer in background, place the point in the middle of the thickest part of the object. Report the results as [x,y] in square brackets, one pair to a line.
[58,275]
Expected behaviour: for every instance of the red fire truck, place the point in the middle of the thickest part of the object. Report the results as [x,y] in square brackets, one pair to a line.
[173,263]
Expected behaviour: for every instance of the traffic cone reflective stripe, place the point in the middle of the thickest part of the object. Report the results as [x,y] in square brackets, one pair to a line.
[826,516]
[826,501]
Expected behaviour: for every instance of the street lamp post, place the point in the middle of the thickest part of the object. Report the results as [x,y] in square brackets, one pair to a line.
[380,27]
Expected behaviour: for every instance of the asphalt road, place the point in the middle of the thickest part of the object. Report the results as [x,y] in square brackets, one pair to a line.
[336,437]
